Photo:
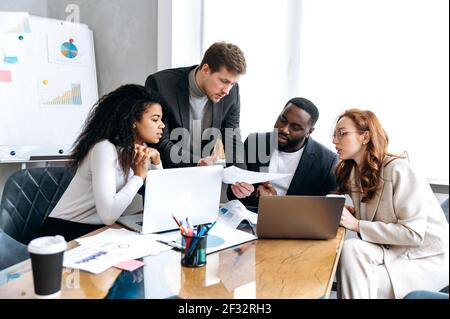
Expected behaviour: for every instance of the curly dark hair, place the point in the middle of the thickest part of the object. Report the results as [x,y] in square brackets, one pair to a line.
[112,118]
[375,155]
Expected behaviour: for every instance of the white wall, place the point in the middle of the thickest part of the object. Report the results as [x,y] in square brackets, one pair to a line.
[187,33]
[180,33]
[389,56]
[33,7]
[267,31]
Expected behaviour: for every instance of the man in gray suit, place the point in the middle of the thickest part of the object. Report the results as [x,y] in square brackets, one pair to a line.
[202,103]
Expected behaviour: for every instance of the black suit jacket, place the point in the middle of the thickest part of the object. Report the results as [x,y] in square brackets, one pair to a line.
[314,175]
[173,86]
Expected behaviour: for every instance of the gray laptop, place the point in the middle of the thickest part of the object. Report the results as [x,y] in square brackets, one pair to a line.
[192,192]
[299,217]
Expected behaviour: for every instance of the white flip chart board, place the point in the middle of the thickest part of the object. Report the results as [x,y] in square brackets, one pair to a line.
[48,84]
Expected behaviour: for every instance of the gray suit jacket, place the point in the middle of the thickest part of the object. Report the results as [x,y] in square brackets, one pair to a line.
[173,86]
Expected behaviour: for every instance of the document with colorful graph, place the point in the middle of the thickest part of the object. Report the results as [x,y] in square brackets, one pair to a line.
[71,47]
[60,93]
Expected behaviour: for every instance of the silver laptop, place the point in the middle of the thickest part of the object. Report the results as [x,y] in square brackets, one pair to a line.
[299,217]
[192,192]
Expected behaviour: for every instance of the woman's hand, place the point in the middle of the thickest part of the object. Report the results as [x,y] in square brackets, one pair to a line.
[142,155]
[242,190]
[155,158]
[351,209]
[349,221]
[266,189]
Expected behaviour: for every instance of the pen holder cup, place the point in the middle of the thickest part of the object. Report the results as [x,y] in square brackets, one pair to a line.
[193,253]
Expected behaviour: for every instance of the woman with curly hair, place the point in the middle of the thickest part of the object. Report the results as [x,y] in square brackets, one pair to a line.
[403,234]
[111,160]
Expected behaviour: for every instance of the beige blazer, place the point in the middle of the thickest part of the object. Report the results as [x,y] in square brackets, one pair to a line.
[405,218]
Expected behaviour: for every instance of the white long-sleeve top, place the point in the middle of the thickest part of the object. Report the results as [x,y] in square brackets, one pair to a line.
[98,193]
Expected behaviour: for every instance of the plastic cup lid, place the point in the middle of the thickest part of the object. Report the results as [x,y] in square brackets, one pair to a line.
[47,245]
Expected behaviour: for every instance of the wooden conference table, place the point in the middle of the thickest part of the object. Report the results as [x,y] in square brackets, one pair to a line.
[257,269]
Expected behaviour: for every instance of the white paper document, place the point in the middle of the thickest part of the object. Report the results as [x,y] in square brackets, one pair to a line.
[234,212]
[113,234]
[100,252]
[233,174]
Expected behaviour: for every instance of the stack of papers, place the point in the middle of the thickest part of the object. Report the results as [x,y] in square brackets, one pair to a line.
[112,246]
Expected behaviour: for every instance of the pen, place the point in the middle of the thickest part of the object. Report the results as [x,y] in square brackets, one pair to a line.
[171,244]
[189,228]
[204,231]
[184,229]
[176,221]
[207,230]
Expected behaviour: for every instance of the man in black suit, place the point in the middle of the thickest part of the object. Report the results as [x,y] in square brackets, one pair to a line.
[202,103]
[288,149]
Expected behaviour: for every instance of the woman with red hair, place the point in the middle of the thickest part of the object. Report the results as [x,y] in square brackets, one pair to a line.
[403,236]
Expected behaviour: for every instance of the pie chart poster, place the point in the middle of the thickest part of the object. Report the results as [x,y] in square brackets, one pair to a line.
[69,47]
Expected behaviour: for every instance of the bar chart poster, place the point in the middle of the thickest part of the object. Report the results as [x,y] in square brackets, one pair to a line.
[65,94]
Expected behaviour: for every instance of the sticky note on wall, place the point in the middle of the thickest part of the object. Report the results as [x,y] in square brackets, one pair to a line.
[11,59]
[5,76]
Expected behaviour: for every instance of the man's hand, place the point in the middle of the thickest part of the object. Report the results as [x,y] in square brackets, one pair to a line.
[266,189]
[242,190]
[207,161]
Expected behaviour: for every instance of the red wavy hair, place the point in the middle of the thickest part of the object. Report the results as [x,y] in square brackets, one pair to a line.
[370,172]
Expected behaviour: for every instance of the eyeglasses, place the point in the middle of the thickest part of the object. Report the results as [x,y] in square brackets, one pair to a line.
[339,134]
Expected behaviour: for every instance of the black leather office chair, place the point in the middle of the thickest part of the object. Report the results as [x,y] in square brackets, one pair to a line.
[11,251]
[28,198]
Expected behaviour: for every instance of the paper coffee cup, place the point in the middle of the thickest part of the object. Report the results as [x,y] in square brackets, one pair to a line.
[47,255]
